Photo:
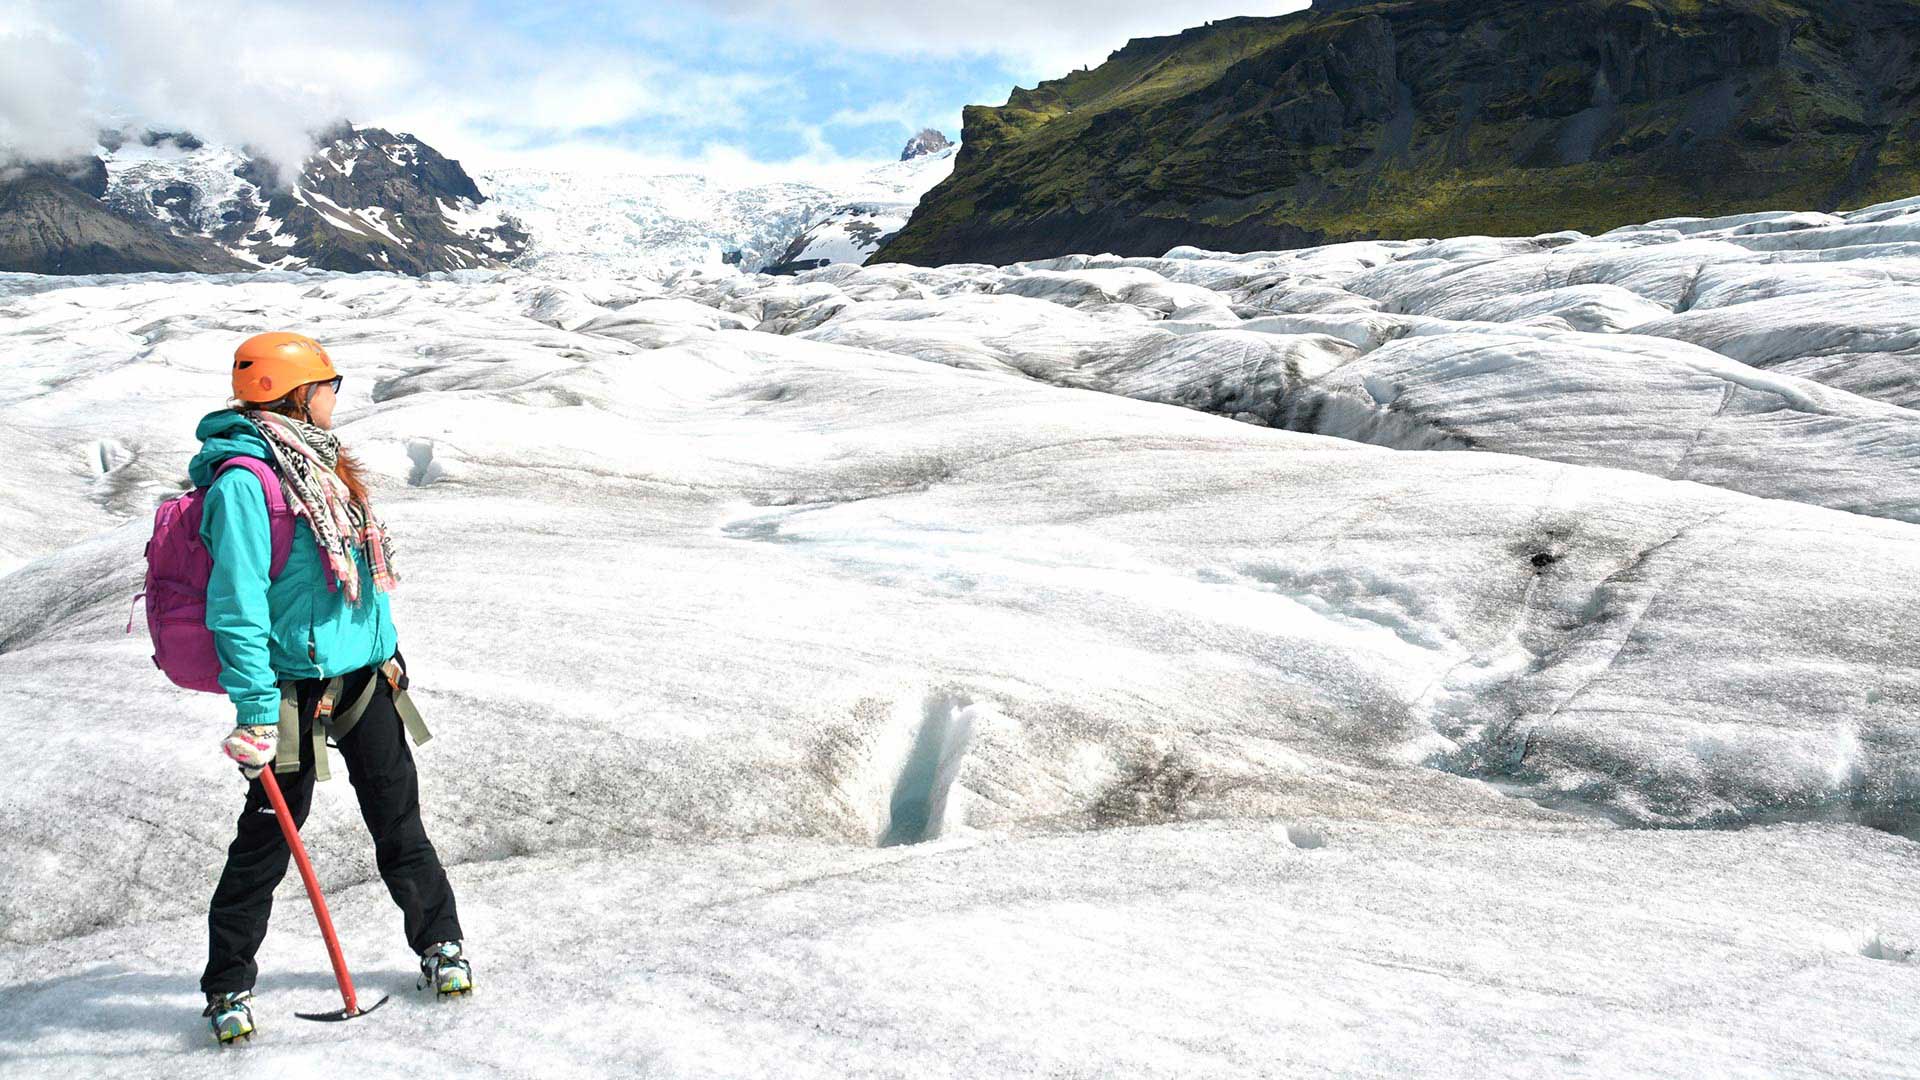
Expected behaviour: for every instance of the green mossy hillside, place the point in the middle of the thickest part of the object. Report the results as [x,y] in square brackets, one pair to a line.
[1438,117]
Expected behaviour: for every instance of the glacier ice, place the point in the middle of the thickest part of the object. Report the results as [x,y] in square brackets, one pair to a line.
[1473,657]
[584,226]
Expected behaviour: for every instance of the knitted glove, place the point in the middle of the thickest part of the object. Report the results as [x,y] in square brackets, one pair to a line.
[252,746]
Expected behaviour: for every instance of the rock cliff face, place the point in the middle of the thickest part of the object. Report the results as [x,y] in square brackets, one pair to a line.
[1438,117]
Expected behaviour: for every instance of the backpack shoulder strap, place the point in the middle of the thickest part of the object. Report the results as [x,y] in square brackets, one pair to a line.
[279,514]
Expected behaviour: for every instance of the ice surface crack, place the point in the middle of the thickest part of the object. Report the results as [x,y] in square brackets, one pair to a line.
[1597,606]
[1678,472]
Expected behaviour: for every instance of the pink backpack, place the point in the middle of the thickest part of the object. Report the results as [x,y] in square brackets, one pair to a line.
[178,567]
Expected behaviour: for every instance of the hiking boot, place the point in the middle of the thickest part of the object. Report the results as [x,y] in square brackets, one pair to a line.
[443,968]
[230,1016]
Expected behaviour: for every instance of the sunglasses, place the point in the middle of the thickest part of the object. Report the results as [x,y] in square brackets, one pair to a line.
[314,387]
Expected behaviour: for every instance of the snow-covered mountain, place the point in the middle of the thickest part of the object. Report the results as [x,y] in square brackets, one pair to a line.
[1473,658]
[177,180]
[586,225]
[54,220]
[927,141]
[366,199]
[371,200]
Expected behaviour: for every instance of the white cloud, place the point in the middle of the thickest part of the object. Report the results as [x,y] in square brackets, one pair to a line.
[504,85]
[528,105]
[722,163]
[1046,39]
[36,67]
[262,75]
[910,112]
[562,116]
[270,74]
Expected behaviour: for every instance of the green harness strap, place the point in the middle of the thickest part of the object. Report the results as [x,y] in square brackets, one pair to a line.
[403,704]
[328,722]
[410,716]
[320,770]
[344,720]
[287,758]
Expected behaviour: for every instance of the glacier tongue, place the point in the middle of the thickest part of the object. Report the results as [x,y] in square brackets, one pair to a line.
[936,699]
[587,225]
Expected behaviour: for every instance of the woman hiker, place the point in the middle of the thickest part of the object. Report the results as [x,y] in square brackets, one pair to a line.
[320,633]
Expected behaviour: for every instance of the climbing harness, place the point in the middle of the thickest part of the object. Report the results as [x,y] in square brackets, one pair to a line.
[332,721]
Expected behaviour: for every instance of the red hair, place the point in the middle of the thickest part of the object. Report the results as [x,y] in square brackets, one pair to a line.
[347,468]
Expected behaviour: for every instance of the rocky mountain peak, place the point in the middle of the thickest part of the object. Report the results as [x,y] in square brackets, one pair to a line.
[928,141]
[371,199]
[365,199]
[368,166]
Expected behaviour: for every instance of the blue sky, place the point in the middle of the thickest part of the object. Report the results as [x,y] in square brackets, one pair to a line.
[737,86]
[771,88]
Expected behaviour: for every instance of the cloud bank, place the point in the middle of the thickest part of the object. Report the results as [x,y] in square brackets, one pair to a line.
[260,75]
[735,84]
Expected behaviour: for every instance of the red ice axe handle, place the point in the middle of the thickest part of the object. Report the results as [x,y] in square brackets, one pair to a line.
[313,893]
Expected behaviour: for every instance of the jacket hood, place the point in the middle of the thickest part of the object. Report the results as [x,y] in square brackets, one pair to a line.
[224,434]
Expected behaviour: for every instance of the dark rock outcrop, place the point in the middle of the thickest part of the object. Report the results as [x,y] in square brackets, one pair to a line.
[1404,118]
[184,140]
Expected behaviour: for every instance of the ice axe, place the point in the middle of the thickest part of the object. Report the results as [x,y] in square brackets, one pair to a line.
[299,850]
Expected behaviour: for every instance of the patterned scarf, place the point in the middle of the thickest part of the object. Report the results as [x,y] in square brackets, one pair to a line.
[345,527]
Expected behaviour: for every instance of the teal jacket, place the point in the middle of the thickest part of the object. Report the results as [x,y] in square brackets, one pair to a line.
[290,627]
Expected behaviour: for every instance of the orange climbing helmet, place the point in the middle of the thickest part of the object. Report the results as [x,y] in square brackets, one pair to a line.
[268,366]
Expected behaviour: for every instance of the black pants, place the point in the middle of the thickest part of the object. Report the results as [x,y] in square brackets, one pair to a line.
[380,763]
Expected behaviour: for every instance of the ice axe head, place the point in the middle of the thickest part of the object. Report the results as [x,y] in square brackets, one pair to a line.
[341,1014]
